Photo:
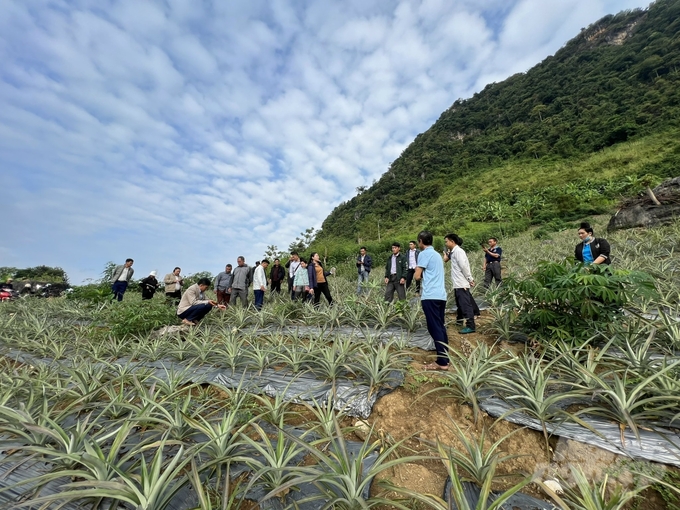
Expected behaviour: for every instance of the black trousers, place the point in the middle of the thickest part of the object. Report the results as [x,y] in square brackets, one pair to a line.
[175,296]
[276,286]
[493,272]
[435,310]
[466,306]
[291,287]
[409,279]
[322,288]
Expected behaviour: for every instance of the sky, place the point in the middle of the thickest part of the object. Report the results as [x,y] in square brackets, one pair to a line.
[188,132]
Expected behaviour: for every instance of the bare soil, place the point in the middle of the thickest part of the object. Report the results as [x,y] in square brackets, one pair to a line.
[420,418]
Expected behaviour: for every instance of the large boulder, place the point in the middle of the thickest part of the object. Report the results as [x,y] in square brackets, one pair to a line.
[641,211]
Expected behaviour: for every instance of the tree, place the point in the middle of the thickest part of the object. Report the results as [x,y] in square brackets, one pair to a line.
[304,240]
[43,274]
[272,253]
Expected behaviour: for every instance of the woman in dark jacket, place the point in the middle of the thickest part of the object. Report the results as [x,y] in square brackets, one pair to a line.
[317,280]
[591,249]
[149,285]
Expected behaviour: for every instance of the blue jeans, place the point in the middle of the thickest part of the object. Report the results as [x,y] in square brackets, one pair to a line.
[259,299]
[434,310]
[196,313]
[118,289]
[363,277]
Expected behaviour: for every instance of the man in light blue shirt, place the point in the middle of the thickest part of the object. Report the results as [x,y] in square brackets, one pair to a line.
[433,298]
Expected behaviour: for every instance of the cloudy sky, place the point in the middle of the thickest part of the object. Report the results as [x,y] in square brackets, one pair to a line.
[187,132]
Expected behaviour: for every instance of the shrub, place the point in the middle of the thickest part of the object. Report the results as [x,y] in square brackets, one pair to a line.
[565,299]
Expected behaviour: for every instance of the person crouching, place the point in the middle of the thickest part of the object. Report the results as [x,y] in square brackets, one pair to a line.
[193,305]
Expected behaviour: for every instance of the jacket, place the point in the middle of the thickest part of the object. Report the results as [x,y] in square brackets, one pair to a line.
[192,296]
[223,281]
[598,247]
[368,263]
[149,286]
[259,278]
[242,277]
[169,280]
[402,266]
[301,278]
[311,272]
[119,271]
[277,273]
[407,254]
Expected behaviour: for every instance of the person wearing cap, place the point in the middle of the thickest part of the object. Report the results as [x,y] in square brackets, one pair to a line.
[149,285]
[8,284]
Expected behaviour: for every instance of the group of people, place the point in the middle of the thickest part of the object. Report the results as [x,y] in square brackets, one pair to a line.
[430,269]
[400,268]
[307,280]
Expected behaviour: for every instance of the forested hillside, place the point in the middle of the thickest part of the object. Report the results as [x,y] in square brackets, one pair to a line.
[568,138]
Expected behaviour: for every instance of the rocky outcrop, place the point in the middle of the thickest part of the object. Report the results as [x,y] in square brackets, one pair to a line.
[643,212]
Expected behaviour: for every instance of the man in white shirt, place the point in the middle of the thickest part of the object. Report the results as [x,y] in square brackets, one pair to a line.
[462,279]
[412,257]
[292,266]
[260,283]
[121,276]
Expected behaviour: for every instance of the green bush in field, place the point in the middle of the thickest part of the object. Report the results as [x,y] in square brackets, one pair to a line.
[565,299]
[95,293]
[129,318]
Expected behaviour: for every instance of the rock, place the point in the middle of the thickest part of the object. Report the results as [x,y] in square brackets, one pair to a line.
[642,212]
[362,429]
[554,486]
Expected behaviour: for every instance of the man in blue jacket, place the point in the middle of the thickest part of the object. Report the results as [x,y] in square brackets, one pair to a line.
[364,265]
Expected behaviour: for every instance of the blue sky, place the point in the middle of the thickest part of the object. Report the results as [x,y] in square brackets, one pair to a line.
[188,132]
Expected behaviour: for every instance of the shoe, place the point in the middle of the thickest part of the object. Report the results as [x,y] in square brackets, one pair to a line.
[466,331]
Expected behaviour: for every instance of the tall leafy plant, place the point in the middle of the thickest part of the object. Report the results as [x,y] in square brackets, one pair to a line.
[565,300]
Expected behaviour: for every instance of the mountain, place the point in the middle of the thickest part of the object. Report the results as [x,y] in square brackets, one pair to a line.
[566,139]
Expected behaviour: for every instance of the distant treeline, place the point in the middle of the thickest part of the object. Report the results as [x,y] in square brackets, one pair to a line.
[38,273]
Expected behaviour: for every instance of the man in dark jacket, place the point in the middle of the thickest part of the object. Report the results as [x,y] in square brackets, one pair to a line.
[396,270]
[364,266]
[591,249]
[276,276]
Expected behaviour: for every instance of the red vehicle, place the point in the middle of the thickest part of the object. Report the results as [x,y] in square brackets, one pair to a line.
[7,294]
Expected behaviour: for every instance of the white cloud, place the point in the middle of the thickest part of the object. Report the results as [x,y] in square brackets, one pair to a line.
[186,133]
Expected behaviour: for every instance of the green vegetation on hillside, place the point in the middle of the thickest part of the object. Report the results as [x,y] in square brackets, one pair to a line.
[565,140]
